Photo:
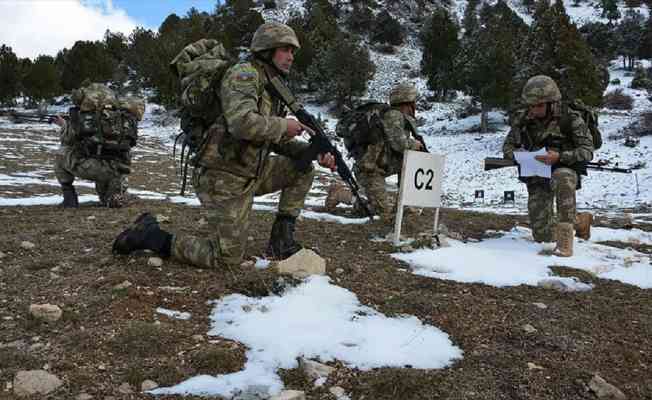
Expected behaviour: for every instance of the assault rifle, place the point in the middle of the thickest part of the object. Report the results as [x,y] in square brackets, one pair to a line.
[419,138]
[29,117]
[319,142]
[496,163]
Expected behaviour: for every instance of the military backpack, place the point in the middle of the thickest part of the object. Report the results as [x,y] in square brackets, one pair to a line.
[200,67]
[361,127]
[588,114]
[102,124]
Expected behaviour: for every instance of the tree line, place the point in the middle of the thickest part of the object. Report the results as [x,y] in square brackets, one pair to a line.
[488,54]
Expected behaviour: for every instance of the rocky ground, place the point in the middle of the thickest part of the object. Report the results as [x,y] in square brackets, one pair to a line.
[519,342]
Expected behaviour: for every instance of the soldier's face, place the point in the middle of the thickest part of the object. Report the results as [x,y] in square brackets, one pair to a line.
[538,111]
[283,58]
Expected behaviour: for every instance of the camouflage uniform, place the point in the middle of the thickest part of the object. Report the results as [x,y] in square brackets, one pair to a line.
[385,158]
[531,134]
[109,175]
[241,166]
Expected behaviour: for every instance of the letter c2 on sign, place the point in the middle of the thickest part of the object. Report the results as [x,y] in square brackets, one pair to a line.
[420,184]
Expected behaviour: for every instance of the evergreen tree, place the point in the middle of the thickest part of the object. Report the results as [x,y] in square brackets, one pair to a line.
[10,79]
[387,30]
[470,20]
[610,10]
[342,70]
[42,80]
[602,39]
[86,60]
[439,38]
[487,62]
[631,30]
[554,47]
[645,48]
[234,23]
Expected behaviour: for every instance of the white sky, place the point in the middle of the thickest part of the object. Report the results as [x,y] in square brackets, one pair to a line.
[34,27]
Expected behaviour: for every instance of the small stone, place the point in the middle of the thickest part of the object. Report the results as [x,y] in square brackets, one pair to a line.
[406,249]
[198,338]
[2,255]
[531,365]
[247,264]
[540,306]
[125,388]
[90,217]
[338,392]
[202,222]
[605,390]
[339,271]
[27,245]
[122,286]
[154,261]
[290,395]
[148,385]
[160,218]
[47,312]
[28,383]
[529,328]
[303,264]
[314,369]
[250,238]
[83,396]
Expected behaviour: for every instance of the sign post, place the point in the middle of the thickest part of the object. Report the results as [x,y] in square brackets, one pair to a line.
[421,178]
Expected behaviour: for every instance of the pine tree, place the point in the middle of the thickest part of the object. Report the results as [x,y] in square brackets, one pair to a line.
[87,60]
[487,62]
[470,20]
[602,39]
[42,80]
[554,47]
[439,38]
[342,70]
[610,10]
[645,48]
[631,30]
[10,79]
[387,30]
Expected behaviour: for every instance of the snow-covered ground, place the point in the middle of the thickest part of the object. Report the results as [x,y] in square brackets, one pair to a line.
[315,320]
[514,259]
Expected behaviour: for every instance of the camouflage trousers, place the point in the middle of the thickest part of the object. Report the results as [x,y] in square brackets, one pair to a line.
[229,199]
[106,174]
[372,185]
[541,195]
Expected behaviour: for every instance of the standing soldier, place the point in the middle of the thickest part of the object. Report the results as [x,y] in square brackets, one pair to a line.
[567,150]
[96,144]
[384,157]
[254,126]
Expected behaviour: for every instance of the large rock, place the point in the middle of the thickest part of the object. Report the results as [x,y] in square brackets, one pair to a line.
[314,369]
[47,312]
[605,390]
[303,264]
[290,395]
[28,383]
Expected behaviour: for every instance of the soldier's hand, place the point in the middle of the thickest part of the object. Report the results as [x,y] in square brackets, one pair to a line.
[294,127]
[59,120]
[327,160]
[551,158]
[419,146]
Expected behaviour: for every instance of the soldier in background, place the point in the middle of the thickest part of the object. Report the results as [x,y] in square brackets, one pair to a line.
[96,144]
[254,126]
[384,157]
[536,127]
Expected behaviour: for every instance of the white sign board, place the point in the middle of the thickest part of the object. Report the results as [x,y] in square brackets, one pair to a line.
[421,179]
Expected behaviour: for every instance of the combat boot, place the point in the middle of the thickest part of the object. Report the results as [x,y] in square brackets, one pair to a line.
[70,199]
[583,223]
[144,234]
[281,242]
[338,194]
[565,240]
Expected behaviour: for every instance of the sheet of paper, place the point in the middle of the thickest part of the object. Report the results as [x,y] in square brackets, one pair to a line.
[530,166]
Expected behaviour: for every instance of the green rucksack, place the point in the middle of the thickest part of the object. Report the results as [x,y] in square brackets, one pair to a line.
[588,114]
[361,127]
[200,67]
[102,124]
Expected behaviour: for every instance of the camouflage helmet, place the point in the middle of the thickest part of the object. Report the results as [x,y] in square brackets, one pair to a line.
[404,92]
[272,35]
[540,89]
